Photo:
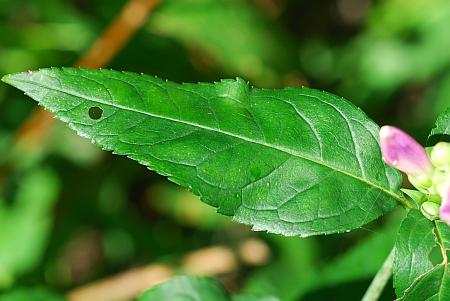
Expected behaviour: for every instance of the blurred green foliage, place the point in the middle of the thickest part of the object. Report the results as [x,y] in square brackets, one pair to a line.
[26,294]
[25,224]
[248,44]
[71,214]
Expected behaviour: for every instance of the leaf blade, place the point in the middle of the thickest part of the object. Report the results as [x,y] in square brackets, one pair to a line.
[415,241]
[186,288]
[443,234]
[195,289]
[432,286]
[323,147]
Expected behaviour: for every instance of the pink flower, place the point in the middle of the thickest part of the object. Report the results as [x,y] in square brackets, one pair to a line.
[403,152]
[444,211]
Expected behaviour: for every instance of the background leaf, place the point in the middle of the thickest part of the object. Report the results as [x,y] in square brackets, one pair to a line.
[420,273]
[415,241]
[195,289]
[443,232]
[25,224]
[186,288]
[434,285]
[319,171]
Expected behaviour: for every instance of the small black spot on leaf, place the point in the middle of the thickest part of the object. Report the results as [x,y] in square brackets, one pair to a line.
[95,113]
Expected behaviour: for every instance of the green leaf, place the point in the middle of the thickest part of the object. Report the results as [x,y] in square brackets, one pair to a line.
[25,225]
[415,276]
[432,286]
[443,233]
[188,288]
[442,129]
[414,244]
[294,161]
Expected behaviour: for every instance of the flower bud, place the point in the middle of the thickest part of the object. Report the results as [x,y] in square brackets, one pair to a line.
[442,185]
[430,210]
[421,182]
[440,155]
[444,212]
[404,153]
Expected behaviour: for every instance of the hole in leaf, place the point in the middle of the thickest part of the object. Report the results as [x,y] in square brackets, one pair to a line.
[95,113]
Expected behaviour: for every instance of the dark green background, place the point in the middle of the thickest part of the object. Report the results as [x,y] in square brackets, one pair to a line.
[71,214]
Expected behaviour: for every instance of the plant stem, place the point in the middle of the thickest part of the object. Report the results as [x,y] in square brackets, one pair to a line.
[381,278]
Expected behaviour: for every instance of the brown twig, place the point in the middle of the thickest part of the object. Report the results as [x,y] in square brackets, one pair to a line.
[119,32]
[131,18]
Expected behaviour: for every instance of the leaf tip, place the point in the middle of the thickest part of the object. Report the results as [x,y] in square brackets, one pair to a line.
[7,78]
[13,78]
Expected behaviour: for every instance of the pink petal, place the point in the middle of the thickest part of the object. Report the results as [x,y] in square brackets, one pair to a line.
[444,211]
[403,152]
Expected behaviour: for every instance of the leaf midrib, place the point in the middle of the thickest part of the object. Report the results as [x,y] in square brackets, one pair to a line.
[247,139]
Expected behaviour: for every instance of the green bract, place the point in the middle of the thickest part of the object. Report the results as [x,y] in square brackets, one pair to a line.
[294,161]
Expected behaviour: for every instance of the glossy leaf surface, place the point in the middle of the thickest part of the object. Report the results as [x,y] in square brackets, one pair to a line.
[294,161]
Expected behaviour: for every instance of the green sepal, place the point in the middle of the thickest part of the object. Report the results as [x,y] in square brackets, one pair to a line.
[415,195]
